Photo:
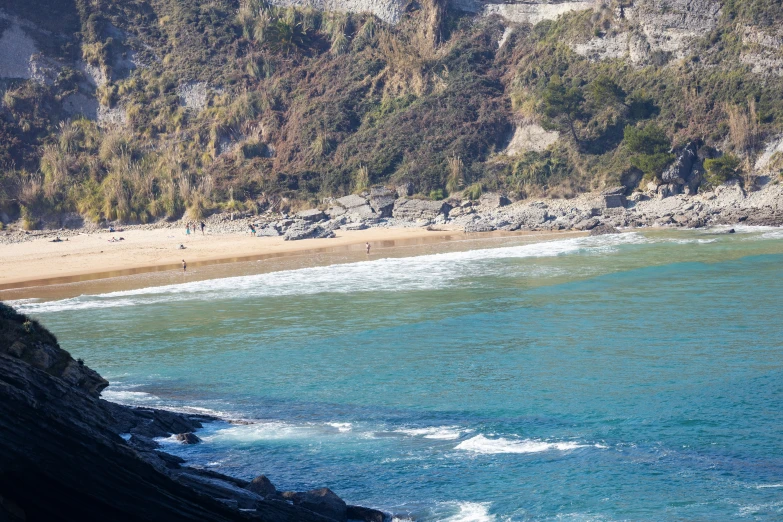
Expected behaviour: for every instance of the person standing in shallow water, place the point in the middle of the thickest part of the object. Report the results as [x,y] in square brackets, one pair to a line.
[367,246]
[184,266]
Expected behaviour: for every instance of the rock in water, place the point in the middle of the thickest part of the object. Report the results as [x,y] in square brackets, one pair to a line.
[188,438]
[365,514]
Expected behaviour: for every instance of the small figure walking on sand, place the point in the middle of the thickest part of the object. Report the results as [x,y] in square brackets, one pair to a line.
[187,229]
[203,226]
[367,246]
[184,266]
[252,229]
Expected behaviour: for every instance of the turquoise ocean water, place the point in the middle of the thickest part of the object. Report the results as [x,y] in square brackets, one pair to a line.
[628,377]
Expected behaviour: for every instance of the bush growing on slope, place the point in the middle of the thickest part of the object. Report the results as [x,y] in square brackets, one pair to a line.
[650,149]
[722,169]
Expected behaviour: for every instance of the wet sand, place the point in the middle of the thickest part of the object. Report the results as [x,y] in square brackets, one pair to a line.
[92,264]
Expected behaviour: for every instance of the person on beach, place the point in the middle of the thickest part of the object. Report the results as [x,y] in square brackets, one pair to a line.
[367,246]
[203,226]
[184,266]
[252,229]
[187,229]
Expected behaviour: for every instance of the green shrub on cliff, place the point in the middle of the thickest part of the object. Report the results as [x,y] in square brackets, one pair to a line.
[722,169]
[649,148]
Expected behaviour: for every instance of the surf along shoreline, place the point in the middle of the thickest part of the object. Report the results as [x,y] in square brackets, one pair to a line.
[31,264]
[42,269]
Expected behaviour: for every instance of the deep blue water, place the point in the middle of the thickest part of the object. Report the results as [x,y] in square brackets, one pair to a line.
[632,377]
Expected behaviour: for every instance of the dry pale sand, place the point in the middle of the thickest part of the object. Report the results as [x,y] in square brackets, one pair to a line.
[93,256]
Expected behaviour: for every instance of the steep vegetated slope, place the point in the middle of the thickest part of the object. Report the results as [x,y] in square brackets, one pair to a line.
[146,109]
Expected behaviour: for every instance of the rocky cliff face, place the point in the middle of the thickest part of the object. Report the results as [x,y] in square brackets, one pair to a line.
[29,342]
[194,106]
[652,29]
[62,457]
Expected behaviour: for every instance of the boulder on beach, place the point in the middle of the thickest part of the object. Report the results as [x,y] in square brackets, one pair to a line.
[351,201]
[419,209]
[312,215]
[603,229]
[493,200]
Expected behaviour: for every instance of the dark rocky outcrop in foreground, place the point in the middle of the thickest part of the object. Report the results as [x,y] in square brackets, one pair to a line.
[62,456]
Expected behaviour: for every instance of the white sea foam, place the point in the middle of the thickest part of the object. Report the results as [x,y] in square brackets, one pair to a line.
[740,229]
[383,275]
[695,241]
[342,427]
[483,445]
[766,486]
[127,396]
[124,394]
[471,512]
[439,433]
[774,234]
[581,517]
[258,431]
[762,509]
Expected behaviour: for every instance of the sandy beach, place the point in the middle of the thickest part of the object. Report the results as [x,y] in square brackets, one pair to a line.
[95,256]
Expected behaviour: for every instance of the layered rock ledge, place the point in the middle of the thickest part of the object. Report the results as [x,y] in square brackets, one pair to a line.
[62,456]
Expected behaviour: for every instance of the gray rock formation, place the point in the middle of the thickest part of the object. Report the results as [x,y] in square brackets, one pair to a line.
[614,197]
[351,201]
[313,215]
[492,200]
[418,209]
[587,224]
[601,230]
[268,231]
[33,344]
[479,226]
[679,173]
[324,502]
[405,190]
[262,486]
[303,230]
[382,201]
[188,438]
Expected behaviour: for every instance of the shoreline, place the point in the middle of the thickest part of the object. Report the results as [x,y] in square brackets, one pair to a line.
[42,265]
[89,254]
